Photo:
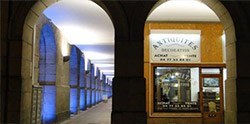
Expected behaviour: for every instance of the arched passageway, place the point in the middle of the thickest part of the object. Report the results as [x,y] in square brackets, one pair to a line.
[75,87]
[165,15]
[17,25]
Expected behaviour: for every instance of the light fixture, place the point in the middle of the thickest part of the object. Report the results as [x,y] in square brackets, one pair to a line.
[176,73]
[172,76]
[66,58]
[157,73]
[87,72]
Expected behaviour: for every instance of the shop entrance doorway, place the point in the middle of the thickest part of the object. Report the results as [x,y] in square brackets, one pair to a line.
[212,104]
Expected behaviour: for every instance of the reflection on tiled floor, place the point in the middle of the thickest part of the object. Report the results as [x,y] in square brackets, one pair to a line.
[99,114]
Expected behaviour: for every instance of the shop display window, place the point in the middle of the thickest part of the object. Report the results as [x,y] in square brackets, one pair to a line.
[176,89]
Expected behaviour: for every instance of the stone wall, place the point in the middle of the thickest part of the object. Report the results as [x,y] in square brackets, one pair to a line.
[30,71]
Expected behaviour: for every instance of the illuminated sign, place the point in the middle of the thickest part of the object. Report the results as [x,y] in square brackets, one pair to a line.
[175,46]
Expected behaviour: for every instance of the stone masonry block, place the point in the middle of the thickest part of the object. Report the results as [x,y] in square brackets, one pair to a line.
[231,51]
[27,51]
[27,34]
[39,7]
[219,9]
[31,19]
[48,2]
[226,20]
[230,35]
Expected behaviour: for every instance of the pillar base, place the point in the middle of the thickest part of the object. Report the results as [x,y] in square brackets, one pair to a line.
[129,118]
[129,104]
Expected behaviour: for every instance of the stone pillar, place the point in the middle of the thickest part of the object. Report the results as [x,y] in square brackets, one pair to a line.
[129,84]
[243,79]
[12,82]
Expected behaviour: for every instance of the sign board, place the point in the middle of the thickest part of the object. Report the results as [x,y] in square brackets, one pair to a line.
[177,106]
[175,46]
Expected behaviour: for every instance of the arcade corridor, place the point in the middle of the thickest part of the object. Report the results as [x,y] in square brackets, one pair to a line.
[157,61]
[99,114]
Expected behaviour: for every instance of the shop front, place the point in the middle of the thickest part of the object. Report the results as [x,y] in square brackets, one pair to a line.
[184,65]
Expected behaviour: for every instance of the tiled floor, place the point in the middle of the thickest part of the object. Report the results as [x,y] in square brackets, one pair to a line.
[99,114]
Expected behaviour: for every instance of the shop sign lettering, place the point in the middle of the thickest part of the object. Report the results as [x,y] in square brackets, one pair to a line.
[175,48]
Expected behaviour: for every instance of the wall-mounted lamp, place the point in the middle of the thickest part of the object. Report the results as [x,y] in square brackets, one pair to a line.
[96,77]
[66,58]
[87,72]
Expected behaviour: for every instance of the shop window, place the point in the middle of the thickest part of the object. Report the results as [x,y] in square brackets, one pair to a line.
[211,89]
[176,89]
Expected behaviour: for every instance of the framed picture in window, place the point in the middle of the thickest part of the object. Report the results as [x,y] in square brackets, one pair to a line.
[210,82]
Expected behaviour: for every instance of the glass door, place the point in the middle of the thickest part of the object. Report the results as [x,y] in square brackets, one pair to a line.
[212,95]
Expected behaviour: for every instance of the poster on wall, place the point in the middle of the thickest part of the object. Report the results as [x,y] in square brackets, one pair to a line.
[175,46]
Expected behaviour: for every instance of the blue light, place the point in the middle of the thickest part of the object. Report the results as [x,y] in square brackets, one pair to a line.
[47,73]
[82,100]
[88,98]
[96,96]
[73,63]
[47,52]
[93,97]
[74,70]
[73,100]
[82,70]
[48,104]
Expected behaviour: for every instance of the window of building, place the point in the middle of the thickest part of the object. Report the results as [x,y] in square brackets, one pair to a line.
[176,89]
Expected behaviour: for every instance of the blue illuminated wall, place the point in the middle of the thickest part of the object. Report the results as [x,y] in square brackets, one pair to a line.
[88,97]
[47,53]
[82,72]
[88,85]
[48,104]
[93,84]
[82,99]
[47,73]
[73,64]
[73,82]
[97,85]
[73,100]
[104,84]
[82,84]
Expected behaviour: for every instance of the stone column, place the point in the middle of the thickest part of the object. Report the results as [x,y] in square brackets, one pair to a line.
[129,84]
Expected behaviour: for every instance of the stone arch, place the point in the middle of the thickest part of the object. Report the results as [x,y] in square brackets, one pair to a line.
[47,59]
[47,72]
[29,35]
[230,85]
